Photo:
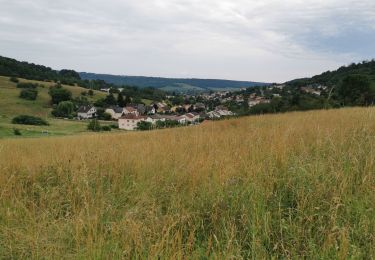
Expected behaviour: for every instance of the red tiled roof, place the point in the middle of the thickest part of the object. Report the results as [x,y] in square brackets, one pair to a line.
[132,116]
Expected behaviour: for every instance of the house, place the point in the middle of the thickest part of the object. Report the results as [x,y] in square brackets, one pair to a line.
[179,119]
[225,113]
[115,111]
[213,115]
[221,108]
[155,118]
[130,121]
[86,112]
[161,107]
[106,90]
[200,107]
[192,117]
[131,110]
[253,102]
[141,108]
[257,101]
[310,90]
[150,110]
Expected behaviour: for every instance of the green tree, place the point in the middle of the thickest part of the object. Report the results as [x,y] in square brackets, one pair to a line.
[144,126]
[28,120]
[27,85]
[14,79]
[102,115]
[94,125]
[63,109]
[127,100]
[110,100]
[120,100]
[29,94]
[356,90]
[59,94]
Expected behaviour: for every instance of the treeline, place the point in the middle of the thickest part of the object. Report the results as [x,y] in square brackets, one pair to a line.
[334,78]
[17,69]
[13,68]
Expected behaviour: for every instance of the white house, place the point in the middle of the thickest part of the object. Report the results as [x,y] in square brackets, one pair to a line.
[179,119]
[155,118]
[151,110]
[86,112]
[115,111]
[225,113]
[130,121]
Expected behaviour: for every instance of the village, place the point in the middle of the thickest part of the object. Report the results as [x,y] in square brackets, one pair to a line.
[132,115]
[180,110]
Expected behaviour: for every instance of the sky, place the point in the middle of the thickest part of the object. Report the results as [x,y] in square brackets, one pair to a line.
[257,40]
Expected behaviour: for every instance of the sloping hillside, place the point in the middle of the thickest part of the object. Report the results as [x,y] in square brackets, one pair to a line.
[11,105]
[331,78]
[173,84]
[290,186]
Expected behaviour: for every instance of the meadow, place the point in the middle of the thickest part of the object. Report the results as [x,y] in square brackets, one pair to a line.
[11,105]
[296,185]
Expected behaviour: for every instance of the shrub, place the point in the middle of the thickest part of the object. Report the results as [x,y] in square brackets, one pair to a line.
[29,94]
[28,120]
[16,131]
[27,85]
[14,79]
[63,109]
[94,125]
[102,115]
[59,94]
[106,128]
[144,126]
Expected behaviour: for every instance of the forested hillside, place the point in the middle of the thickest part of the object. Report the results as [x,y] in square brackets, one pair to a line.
[173,84]
[332,78]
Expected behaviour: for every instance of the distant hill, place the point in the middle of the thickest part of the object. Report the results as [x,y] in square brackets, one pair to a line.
[173,84]
[333,78]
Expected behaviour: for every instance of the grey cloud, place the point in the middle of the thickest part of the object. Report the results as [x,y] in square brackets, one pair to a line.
[255,40]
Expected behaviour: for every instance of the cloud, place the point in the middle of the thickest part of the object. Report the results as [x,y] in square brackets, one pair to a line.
[265,40]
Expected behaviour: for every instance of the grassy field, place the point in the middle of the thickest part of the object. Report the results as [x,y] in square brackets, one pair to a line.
[298,185]
[11,105]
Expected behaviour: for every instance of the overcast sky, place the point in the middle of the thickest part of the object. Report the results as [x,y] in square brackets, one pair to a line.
[259,40]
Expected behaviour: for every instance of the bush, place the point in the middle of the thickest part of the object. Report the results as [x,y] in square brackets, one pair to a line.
[28,120]
[16,131]
[113,126]
[63,109]
[14,79]
[102,115]
[59,94]
[106,128]
[27,85]
[144,126]
[29,94]
[94,125]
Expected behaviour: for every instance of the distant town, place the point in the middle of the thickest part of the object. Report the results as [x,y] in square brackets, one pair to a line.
[189,109]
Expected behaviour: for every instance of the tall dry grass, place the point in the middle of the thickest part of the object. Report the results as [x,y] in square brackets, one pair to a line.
[284,186]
